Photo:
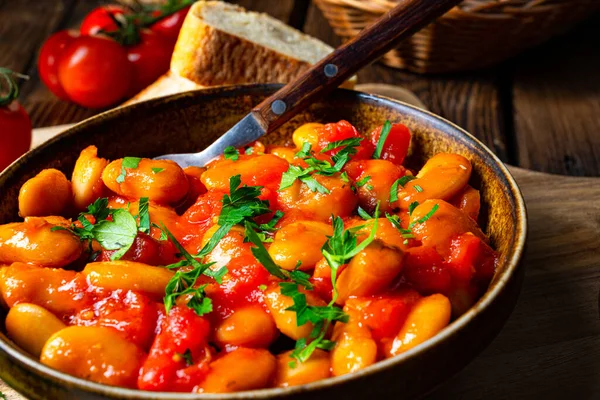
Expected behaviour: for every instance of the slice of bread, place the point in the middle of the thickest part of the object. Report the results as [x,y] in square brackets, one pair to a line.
[223,44]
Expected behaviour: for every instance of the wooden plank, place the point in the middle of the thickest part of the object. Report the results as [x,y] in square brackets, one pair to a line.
[471,100]
[557,104]
[550,346]
[25,24]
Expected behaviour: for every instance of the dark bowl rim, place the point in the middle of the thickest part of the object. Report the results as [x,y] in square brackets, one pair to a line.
[450,129]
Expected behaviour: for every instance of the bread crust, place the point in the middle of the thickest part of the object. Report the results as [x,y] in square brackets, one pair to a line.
[211,57]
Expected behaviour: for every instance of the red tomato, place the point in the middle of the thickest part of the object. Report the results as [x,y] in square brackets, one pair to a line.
[15,133]
[396,145]
[170,26]
[100,19]
[337,131]
[131,313]
[94,71]
[471,258]
[425,270]
[151,58]
[240,286]
[165,368]
[50,55]
[385,314]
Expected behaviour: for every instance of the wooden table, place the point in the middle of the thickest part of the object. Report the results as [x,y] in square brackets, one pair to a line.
[539,111]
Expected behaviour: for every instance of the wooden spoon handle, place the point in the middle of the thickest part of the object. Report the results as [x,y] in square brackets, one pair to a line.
[402,21]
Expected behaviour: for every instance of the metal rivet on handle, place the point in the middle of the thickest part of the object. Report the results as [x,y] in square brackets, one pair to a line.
[331,70]
[278,107]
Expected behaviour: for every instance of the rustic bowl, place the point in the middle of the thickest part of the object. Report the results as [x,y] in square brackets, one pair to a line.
[188,122]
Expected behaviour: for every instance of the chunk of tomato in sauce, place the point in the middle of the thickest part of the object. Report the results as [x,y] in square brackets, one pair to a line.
[385,314]
[396,145]
[240,287]
[182,332]
[426,271]
[471,259]
[342,130]
[132,314]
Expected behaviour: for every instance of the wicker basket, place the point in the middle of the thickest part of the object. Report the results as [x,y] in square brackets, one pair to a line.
[475,34]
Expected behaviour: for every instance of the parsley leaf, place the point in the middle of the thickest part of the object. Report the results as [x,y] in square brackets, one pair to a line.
[128,162]
[261,253]
[187,357]
[117,234]
[385,131]
[321,167]
[157,170]
[412,206]
[405,179]
[395,221]
[363,181]
[144,215]
[363,214]
[305,151]
[241,203]
[394,191]
[231,153]
[425,217]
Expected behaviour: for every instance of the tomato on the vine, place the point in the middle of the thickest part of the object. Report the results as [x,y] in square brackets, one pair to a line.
[150,59]
[50,54]
[170,26]
[94,71]
[15,125]
[101,18]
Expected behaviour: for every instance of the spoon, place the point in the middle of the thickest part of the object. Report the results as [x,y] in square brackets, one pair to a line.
[408,17]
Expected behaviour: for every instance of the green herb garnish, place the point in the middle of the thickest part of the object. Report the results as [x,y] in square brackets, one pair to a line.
[363,181]
[418,188]
[231,153]
[144,215]
[412,206]
[385,131]
[128,162]
[157,170]
[425,217]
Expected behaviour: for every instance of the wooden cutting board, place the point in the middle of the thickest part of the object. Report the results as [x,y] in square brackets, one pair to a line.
[550,346]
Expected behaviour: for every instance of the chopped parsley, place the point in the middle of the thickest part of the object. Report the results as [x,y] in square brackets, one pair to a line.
[385,131]
[395,221]
[405,179]
[338,250]
[130,163]
[187,357]
[144,215]
[184,281]
[363,181]
[425,217]
[157,170]
[412,206]
[117,234]
[363,214]
[231,153]
[239,207]
[394,191]
[322,167]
